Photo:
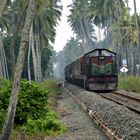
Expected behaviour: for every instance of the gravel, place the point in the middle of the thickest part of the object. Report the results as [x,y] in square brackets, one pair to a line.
[79,124]
[121,120]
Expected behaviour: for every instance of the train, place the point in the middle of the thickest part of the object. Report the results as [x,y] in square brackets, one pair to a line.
[95,70]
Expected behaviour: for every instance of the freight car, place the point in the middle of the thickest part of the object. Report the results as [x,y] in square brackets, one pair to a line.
[96,70]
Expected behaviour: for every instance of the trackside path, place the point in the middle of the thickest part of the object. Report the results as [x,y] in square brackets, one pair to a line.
[79,124]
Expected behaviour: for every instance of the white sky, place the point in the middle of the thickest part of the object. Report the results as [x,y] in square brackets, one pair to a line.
[63,30]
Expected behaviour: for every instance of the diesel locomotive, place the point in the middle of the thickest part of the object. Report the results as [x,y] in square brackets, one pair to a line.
[96,70]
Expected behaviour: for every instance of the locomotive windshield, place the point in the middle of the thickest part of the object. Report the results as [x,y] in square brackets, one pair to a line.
[100,53]
[107,53]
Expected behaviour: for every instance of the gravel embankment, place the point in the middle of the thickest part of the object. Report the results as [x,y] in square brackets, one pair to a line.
[79,124]
[118,118]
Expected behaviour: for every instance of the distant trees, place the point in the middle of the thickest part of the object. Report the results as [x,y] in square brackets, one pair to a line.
[72,51]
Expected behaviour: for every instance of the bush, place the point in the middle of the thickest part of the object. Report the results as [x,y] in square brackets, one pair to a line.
[51,86]
[5,89]
[32,114]
[129,83]
[32,102]
[48,125]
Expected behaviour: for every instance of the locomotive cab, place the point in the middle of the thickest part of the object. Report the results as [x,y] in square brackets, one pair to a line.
[101,70]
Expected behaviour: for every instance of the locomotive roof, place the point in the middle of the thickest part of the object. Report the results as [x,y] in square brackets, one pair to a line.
[99,49]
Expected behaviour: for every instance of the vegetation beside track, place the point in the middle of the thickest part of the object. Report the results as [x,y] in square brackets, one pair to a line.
[34,116]
[129,83]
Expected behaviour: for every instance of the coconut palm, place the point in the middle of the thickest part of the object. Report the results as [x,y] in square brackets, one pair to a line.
[33,6]
[81,23]
[43,31]
[18,71]
[138,32]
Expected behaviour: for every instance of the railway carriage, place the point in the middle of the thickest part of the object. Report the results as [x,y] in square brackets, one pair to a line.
[96,70]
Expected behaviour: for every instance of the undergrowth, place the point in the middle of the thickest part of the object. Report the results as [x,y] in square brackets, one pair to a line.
[33,115]
[129,83]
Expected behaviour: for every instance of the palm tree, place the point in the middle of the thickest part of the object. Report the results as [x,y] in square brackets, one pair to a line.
[43,31]
[33,6]
[137,27]
[18,71]
[81,23]
[17,20]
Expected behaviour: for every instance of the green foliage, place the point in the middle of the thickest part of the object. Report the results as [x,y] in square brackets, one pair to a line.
[33,115]
[45,59]
[5,88]
[51,86]
[72,51]
[32,102]
[6,42]
[48,125]
[129,83]
[46,54]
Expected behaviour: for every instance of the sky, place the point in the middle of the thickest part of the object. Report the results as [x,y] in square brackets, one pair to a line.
[63,30]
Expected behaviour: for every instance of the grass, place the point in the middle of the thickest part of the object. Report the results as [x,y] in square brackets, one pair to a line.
[129,83]
[51,86]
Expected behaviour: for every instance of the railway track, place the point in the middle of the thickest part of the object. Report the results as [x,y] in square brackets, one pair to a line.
[129,101]
[108,132]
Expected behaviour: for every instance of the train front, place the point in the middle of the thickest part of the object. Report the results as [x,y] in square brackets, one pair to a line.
[101,70]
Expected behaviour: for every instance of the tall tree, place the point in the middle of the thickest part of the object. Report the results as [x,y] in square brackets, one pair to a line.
[81,23]
[138,32]
[18,71]
[43,31]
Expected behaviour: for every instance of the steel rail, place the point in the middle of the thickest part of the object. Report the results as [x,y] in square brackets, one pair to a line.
[131,102]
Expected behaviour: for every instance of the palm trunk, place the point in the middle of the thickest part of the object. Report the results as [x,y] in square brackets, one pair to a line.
[84,38]
[137,27]
[2,6]
[2,71]
[38,59]
[9,121]
[12,43]
[3,60]
[33,54]
[5,63]
[28,59]
[87,35]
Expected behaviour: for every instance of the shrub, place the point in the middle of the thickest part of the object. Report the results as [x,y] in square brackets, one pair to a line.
[48,125]
[32,102]
[51,86]
[5,89]
[129,83]
[32,114]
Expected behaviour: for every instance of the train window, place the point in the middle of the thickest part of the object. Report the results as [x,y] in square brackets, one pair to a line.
[94,53]
[106,53]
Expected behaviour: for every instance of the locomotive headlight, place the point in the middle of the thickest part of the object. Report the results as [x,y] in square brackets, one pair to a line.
[101,57]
